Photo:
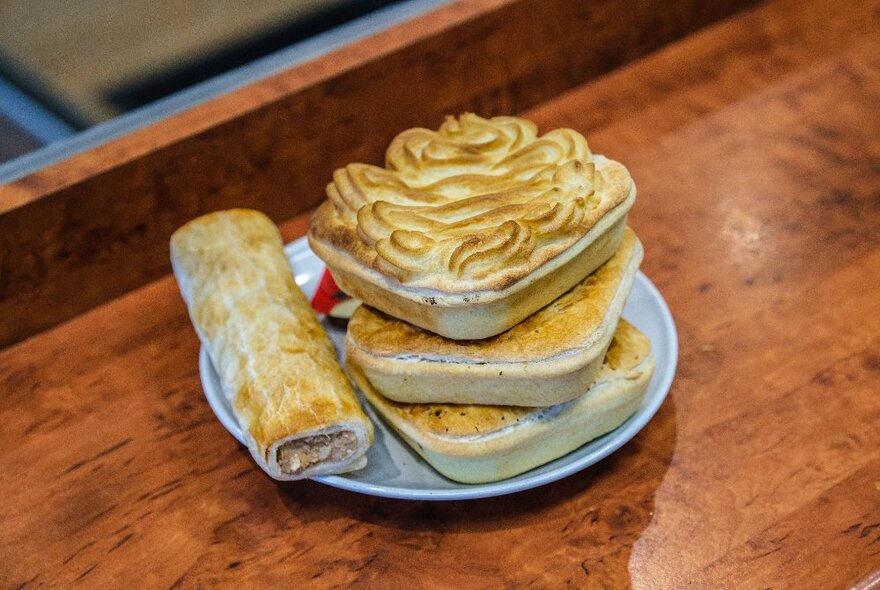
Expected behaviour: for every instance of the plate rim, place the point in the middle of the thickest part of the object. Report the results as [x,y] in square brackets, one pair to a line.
[611,441]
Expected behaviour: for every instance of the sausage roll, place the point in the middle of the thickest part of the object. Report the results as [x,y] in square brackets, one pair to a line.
[279,370]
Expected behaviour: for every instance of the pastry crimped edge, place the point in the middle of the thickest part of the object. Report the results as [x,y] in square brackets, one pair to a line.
[550,358]
[242,298]
[474,315]
[530,437]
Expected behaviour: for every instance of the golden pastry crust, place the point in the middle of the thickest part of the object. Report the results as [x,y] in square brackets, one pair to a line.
[478,443]
[278,367]
[482,218]
[550,357]
[558,328]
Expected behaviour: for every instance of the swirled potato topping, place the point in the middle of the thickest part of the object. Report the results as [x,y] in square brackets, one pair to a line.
[479,203]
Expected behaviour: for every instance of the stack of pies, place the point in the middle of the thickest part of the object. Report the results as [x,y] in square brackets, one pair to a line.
[494,264]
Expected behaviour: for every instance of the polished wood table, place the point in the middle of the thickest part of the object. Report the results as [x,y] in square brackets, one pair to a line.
[754,145]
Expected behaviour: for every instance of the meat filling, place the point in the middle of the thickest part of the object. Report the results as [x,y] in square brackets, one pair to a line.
[296,456]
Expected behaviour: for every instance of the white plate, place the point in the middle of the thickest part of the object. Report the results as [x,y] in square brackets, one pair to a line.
[394,471]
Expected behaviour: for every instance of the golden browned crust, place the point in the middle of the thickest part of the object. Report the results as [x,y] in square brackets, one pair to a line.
[478,443]
[277,365]
[548,358]
[565,325]
[627,350]
[481,314]
[475,206]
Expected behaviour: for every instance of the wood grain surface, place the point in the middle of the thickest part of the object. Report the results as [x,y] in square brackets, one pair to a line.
[754,144]
[101,220]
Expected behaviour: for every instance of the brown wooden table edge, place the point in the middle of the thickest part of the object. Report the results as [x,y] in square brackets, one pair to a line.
[95,226]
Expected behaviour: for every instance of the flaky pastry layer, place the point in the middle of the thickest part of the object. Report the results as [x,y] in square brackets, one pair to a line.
[478,443]
[278,368]
[550,357]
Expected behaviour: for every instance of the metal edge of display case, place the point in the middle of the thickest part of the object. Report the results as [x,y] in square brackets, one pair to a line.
[63,146]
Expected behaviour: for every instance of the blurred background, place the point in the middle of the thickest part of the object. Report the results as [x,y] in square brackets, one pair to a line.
[70,66]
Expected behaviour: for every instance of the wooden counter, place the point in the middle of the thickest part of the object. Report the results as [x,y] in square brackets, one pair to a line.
[754,144]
